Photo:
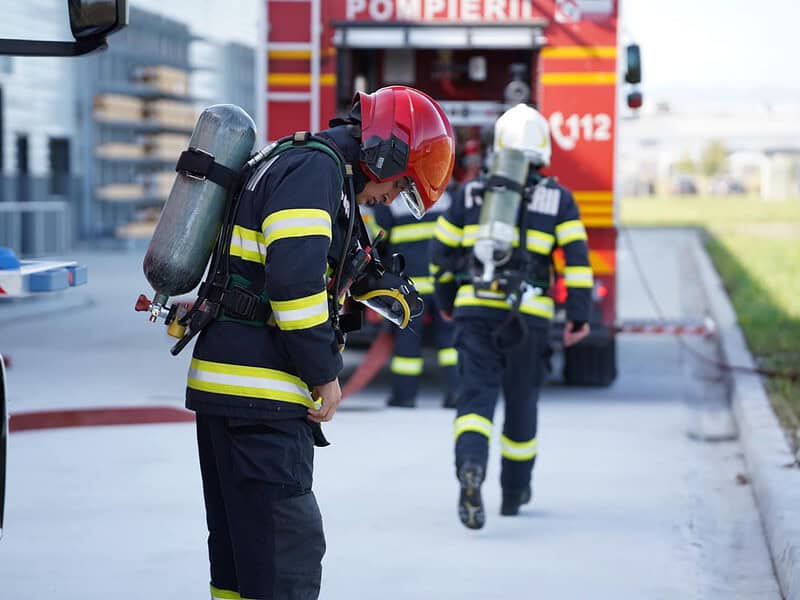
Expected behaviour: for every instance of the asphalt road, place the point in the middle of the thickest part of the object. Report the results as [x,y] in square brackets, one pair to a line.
[627,503]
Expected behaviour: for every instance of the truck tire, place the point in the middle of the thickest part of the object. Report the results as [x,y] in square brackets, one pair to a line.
[592,363]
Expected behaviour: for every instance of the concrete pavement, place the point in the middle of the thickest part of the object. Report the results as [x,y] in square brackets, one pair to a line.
[626,504]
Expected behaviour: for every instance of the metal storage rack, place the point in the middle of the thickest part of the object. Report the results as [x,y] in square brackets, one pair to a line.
[137,114]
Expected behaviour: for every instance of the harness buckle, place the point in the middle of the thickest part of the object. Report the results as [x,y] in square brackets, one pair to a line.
[240,303]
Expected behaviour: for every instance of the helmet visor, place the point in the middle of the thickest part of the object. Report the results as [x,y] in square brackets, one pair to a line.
[413,199]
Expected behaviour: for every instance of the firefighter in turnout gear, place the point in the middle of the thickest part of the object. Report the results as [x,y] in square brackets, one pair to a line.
[411,238]
[264,373]
[502,327]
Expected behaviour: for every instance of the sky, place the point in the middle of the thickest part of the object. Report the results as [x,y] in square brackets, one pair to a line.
[703,45]
[715,44]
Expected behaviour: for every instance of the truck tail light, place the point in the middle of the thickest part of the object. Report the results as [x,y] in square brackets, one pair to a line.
[600,290]
[560,291]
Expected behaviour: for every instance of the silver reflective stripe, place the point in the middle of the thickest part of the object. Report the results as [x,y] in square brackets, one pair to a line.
[256,177]
[248,245]
[570,231]
[235,382]
[539,306]
[447,233]
[412,233]
[578,276]
[295,226]
[470,235]
[473,422]
[517,450]
[301,313]
[540,242]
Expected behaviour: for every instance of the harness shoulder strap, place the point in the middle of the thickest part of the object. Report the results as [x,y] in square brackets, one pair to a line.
[222,290]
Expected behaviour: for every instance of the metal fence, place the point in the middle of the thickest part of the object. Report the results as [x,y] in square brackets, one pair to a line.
[35,221]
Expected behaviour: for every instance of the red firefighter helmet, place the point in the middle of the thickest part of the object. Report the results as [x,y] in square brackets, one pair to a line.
[405,133]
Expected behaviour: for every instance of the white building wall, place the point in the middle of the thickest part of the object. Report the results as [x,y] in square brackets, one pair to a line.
[38,93]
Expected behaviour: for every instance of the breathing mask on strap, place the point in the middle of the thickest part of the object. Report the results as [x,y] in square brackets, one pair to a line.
[389,292]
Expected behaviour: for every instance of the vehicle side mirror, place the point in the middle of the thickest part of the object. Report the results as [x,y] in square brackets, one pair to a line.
[97,18]
[91,21]
[633,72]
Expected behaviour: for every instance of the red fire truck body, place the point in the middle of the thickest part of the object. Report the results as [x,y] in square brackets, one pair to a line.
[476,57]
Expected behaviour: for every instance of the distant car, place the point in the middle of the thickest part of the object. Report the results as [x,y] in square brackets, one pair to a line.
[726,186]
[683,185]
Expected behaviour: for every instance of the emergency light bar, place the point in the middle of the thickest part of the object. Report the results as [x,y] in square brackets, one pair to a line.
[375,35]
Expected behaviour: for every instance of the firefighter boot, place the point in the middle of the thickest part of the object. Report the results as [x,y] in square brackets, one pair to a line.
[401,402]
[513,499]
[450,400]
[470,504]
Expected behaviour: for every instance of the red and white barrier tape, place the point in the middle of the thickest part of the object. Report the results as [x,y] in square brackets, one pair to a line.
[677,327]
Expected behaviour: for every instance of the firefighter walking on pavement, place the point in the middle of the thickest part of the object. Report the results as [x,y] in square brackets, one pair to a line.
[264,374]
[411,238]
[491,257]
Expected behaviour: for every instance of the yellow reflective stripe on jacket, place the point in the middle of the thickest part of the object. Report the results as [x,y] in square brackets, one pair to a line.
[218,594]
[414,232]
[578,277]
[250,382]
[424,285]
[248,244]
[444,277]
[540,242]
[296,222]
[447,233]
[517,450]
[537,241]
[301,313]
[538,306]
[448,357]
[466,297]
[473,422]
[570,231]
[470,235]
[406,366]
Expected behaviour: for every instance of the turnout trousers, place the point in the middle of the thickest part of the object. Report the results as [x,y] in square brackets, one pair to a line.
[265,538]
[483,372]
[407,362]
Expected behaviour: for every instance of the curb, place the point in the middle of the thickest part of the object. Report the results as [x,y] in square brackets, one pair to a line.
[767,454]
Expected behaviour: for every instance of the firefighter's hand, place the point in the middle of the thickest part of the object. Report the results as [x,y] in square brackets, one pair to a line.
[329,395]
[446,315]
[573,337]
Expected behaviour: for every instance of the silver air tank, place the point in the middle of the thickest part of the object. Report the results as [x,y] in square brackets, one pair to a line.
[192,216]
[497,228]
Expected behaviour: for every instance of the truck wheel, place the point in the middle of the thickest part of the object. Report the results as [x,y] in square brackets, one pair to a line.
[591,364]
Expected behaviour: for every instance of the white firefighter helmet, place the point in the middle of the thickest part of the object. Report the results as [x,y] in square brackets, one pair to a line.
[524,128]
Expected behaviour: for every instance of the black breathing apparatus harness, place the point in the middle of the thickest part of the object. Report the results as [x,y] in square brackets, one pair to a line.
[520,274]
[226,296]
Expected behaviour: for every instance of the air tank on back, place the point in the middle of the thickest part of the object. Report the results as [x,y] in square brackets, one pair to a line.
[192,216]
[497,228]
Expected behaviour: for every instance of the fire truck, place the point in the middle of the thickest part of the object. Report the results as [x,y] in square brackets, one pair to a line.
[476,58]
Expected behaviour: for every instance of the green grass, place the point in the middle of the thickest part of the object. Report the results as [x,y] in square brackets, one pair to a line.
[703,211]
[755,246]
